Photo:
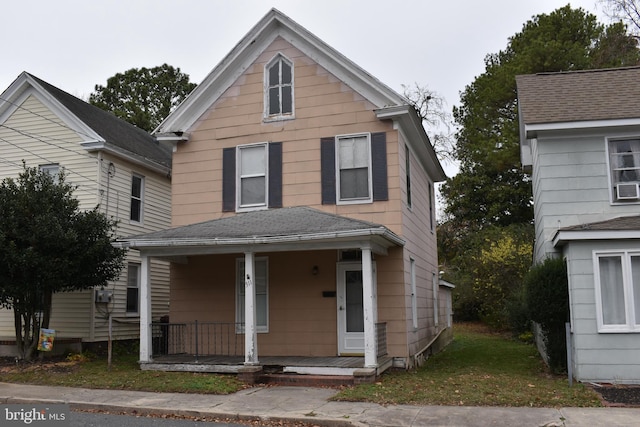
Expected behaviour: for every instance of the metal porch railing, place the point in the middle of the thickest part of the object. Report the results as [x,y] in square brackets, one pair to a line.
[197,339]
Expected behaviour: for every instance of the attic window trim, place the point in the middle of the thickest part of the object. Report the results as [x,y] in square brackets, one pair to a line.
[278,59]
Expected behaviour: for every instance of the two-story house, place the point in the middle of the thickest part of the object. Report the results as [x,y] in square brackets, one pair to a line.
[580,137]
[303,215]
[115,165]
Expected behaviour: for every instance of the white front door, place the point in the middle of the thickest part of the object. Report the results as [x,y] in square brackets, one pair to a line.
[350,309]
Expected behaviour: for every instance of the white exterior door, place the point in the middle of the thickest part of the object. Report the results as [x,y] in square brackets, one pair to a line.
[350,309]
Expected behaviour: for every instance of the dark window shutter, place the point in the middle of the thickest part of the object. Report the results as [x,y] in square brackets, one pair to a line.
[328,173]
[229,179]
[379,166]
[275,175]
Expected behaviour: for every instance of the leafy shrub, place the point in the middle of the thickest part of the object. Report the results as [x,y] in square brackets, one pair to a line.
[547,297]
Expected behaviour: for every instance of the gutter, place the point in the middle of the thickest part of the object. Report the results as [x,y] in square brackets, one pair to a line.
[156,243]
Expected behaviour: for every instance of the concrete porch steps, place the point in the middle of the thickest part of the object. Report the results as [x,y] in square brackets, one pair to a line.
[307,380]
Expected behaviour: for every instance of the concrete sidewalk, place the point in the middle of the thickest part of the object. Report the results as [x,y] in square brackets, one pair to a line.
[312,405]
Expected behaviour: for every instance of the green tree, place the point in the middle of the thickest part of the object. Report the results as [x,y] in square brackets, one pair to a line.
[47,245]
[143,96]
[491,187]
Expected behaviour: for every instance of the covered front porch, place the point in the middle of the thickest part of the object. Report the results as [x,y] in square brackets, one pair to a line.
[209,257]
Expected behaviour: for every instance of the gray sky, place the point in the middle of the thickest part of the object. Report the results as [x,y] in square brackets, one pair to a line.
[441,44]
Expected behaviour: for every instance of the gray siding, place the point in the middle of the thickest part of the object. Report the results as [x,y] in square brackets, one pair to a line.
[598,357]
[571,183]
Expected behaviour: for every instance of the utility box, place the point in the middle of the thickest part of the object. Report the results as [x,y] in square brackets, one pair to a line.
[103,296]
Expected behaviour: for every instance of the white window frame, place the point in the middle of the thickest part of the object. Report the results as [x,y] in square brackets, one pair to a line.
[278,59]
[53,169]
[414,293]
[138,266]
[140,198]
[436,299]
[262,329]
[612,182]
[239,176]
[631,316]
[358,200]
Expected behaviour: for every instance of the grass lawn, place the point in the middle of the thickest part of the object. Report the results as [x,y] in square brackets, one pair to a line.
[125,374]
[477,369]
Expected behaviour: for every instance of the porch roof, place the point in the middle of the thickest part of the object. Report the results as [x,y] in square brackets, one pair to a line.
[284,229]
[625,227]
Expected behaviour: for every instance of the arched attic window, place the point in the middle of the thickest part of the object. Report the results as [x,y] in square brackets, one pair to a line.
[278,98]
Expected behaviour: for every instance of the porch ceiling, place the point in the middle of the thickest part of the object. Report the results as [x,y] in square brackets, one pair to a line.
[273,230]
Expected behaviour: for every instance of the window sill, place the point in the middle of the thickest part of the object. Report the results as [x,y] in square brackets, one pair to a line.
[620,330]
[354,201]
[271,119]
[252,208]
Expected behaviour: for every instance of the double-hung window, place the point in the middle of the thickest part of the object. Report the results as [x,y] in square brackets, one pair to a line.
[261,286]
[617,283]
[133,287]
[252,176]
[279,88]
[137,191]
[353,166]
[624,169]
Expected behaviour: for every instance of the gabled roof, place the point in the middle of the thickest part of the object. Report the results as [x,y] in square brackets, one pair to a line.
[275,24]
[389,104]
[625,227]
[99,129]
[270,229]
[579,96]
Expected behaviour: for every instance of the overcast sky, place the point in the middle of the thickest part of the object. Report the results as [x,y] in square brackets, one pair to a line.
[441,44]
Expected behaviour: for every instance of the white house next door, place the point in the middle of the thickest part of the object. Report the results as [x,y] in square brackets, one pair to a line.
[350,309]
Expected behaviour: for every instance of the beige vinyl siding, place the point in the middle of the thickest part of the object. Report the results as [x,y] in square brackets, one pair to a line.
[324,107]
[35,134]
[155,216]
[43,138]
[421,246]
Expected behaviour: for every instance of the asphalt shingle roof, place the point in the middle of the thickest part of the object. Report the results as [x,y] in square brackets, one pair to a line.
[267,223]
[588,95]
[114,130]
[625,223]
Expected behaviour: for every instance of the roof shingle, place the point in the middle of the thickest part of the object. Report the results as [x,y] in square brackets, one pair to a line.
[606,94]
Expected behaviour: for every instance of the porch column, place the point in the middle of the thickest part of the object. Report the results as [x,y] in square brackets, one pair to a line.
[370,311]
[250,329]
[145,311]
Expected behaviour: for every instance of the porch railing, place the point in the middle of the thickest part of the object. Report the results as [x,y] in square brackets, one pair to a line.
[216,339]
[197,339]
[381,337]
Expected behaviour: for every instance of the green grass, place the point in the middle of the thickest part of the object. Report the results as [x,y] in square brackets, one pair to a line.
[125,374]
[477,369]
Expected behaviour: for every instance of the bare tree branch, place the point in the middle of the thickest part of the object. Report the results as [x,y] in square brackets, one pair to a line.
[628,11]
[438,123]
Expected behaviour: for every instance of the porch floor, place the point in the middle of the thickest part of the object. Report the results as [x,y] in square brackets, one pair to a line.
[334,366]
